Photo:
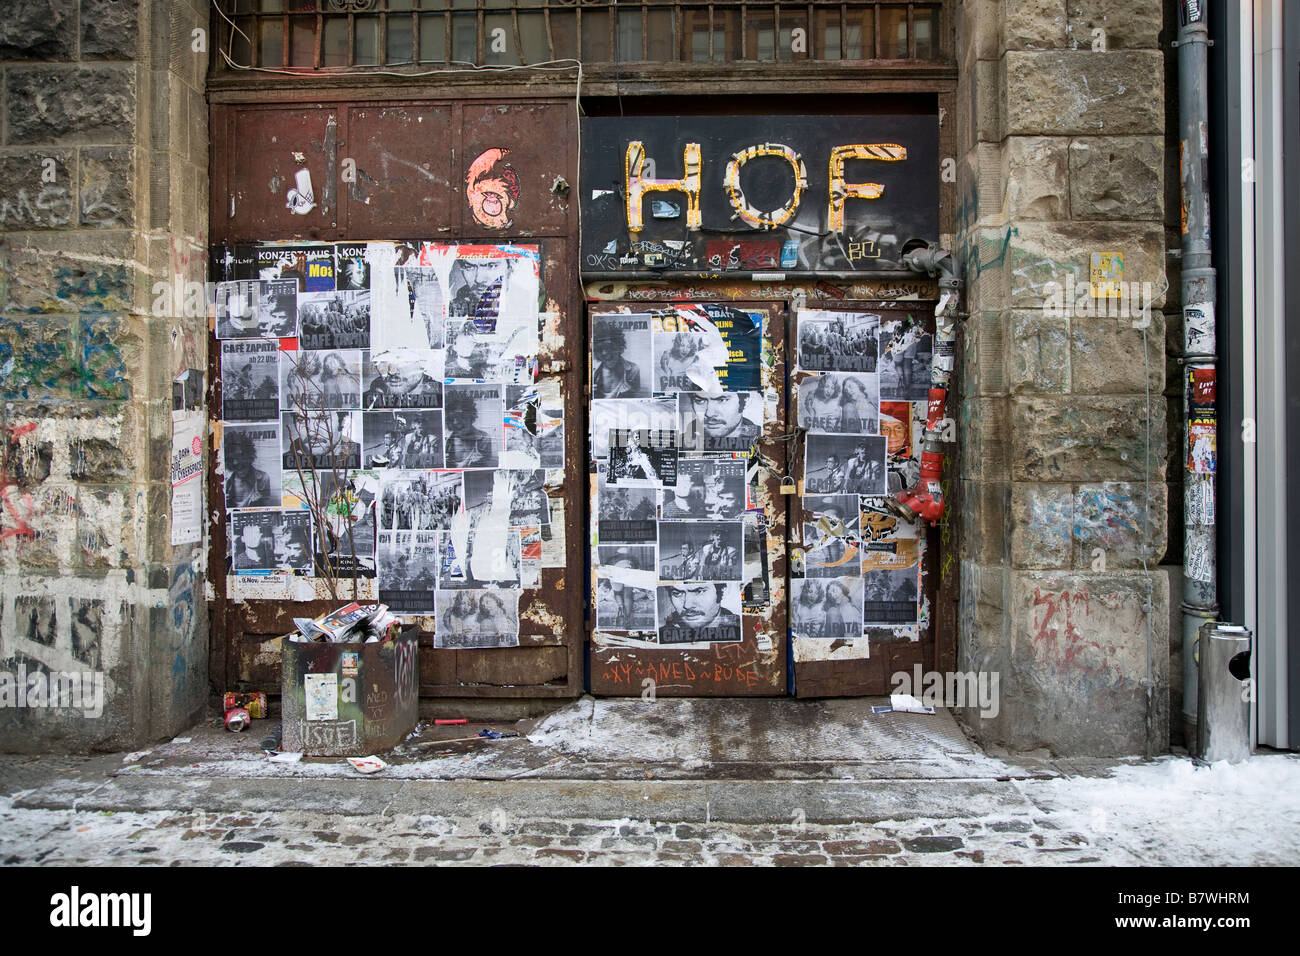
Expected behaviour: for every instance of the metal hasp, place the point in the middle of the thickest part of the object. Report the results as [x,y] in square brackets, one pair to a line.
[1225,692]
[1200,594]
[925,500]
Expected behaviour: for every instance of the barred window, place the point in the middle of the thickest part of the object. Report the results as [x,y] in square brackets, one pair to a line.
[424,34]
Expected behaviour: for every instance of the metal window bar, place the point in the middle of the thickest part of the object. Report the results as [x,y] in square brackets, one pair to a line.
[722,19]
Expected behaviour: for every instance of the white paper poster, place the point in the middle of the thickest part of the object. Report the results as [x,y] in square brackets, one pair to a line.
[322,693]
[187,477]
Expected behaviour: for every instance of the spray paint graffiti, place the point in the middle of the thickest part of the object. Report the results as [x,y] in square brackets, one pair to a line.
[18,506]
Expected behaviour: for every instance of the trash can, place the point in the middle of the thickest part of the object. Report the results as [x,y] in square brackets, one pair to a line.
[349,700]
[1224,693]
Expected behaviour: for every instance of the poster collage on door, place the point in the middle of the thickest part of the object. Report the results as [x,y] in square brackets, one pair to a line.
[381,417]
[679,530]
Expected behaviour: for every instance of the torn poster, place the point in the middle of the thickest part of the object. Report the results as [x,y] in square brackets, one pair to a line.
[321,692]
[187,476]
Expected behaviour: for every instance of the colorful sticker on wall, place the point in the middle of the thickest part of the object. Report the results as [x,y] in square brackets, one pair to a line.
[492,188]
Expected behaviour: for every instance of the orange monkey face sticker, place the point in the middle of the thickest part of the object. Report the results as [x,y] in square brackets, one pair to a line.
[492,188]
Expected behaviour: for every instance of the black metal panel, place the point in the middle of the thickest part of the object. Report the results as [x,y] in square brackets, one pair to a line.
[869,238]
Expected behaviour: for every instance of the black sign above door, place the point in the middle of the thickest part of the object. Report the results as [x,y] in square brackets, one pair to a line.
[757,193]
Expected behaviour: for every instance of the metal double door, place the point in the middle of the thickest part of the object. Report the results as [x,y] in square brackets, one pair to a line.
[738,544]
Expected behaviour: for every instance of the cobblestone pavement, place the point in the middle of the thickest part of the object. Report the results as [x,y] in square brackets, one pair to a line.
[160,838]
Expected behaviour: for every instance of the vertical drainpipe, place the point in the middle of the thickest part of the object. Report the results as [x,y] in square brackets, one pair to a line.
[1200,595]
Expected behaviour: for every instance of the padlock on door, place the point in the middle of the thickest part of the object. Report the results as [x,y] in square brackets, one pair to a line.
[788,486]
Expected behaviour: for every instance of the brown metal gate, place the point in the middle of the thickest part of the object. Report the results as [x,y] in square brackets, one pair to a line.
[410,170]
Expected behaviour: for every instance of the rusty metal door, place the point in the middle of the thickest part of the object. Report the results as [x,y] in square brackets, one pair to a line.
[355,169]
[848,551]
[687,518]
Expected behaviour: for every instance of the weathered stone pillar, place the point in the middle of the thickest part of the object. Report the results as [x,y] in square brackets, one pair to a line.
[103,194]
[1062,447]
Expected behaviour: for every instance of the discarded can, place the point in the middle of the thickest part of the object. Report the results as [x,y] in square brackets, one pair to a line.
[253,702]
[237,719]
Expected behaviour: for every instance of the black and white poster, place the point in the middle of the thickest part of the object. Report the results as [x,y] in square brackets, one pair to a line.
[407,567]
[320,379]
[891,595]
[905,356]
[471,619]
[828,515]
[351,267]
[334,320]
[826,608]
[529,504]
[250,387]
[699,612]
[707,488]
[844,464]
[250,456]
[419,500]
[320,440]
[402,378]
[271,541]
[621,606]
[844,403]
[731,421]
[685,361]
[534,426]
[625,515]
[482,556]
[642,421]
[838,341]
[831,555]
[701,550]
[346,544]
[490,285]
[636,467]
[474,429]
[620,356]
[413,313]
[251,309]
[410,438]
[636,557]
[757,592]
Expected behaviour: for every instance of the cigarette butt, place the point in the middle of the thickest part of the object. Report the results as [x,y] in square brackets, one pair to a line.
[457,720]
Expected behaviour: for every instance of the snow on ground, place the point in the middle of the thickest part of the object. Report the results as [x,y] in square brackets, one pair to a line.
[1173,812]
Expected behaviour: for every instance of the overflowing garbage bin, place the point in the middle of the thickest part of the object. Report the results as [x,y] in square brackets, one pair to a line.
[1224,693]
[349,699]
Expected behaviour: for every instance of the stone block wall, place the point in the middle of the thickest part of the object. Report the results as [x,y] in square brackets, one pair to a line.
[1062,406]
[103,198]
